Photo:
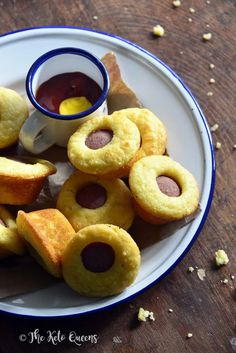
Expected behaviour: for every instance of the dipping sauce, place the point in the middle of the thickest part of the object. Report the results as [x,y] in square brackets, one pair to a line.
[68,93]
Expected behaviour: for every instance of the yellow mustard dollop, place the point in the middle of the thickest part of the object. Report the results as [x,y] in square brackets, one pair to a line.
[74,105]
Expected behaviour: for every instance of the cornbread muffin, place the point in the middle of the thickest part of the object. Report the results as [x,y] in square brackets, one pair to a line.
[22,178]
[104,145]
[101,260]
[46,233]
[13,113]
[152,131]
[162,189]
[10,241]
[87,199]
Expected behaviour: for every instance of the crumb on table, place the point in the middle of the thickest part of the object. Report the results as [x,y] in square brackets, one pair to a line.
[207,36]
[214,127]
[158,31]
[201,274]
[190,269]
[176,3]
[221,257]
[143,315]
[218,145]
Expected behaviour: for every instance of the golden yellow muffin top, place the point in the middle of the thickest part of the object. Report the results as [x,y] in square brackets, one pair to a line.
[10,241]
[145,190]
[116,209]
[13,113]
[25,167]
[93,282]
[114,155]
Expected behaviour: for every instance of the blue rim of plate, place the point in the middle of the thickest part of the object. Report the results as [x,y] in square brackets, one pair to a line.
[67,50]
[213,173]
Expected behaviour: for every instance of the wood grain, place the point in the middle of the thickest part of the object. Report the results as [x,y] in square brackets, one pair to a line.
[205,308]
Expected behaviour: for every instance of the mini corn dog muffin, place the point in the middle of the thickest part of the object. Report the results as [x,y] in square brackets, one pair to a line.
[163,190]
[13,113]
[10,241]
[87,199]
[152,131]
[46,233]
[22,178]
[104,146]
[101,260]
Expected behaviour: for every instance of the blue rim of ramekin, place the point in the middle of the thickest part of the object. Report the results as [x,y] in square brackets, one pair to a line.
[212,184]
[60,51]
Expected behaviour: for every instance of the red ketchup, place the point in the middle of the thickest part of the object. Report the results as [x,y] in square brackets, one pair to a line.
[60,87]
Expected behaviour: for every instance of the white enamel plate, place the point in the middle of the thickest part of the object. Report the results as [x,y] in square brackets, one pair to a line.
[189,142]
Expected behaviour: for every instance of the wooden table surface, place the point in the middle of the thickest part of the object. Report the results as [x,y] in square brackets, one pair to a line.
[204,308]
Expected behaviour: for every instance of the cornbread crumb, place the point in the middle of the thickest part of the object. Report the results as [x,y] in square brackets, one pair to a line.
[191,10]
[211,66]
[151,316]
[214,127]
[170,310]
[218,145]
[158,31]
[176,3]
[201,274]
[190,269]
[210,94]
[212,80]
[221,258]
[189,335]
[207,36]
[143,315]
